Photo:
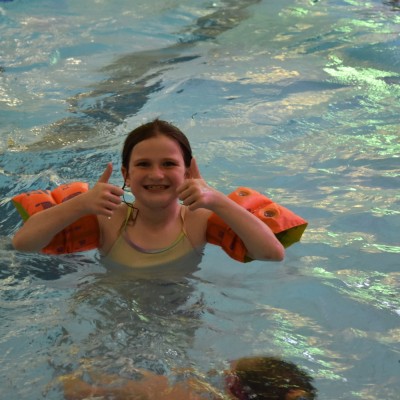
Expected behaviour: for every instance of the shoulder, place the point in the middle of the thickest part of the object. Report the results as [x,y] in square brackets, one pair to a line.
[196,224]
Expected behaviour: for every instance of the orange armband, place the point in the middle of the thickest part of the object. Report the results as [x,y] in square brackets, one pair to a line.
[285,224]
[81,235]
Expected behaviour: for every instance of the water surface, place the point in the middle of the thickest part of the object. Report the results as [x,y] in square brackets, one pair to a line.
[296,99]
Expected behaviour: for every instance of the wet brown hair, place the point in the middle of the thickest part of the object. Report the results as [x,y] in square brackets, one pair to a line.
[270,378]
[150,130]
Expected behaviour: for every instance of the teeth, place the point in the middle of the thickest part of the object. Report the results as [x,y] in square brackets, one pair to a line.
[155,187]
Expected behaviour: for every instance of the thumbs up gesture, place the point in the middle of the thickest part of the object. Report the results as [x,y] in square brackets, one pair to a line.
[106,175]
[104,197]
[194,192]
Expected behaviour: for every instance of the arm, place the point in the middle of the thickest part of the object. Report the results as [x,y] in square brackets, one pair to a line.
[260,241]
[40,228]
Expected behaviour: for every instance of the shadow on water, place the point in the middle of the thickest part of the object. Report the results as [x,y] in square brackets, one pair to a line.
[394,4]
[134,77]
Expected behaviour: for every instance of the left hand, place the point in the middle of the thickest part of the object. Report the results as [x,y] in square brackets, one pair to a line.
[194,192]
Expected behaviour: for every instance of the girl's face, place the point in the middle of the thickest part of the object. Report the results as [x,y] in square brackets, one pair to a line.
[156,170]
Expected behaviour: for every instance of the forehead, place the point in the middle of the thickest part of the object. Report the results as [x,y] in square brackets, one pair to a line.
[157,147]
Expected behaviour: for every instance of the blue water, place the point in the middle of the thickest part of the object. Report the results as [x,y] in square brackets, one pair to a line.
[296,99]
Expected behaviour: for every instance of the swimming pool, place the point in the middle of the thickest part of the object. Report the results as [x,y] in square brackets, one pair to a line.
[296,99]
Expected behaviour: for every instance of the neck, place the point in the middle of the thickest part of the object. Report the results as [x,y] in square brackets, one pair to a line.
[157,216]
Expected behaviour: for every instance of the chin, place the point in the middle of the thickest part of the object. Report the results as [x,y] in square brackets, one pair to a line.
[158,199]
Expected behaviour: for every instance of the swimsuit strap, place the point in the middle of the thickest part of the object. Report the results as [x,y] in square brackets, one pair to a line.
[128,215]
[134,245]
[183,214]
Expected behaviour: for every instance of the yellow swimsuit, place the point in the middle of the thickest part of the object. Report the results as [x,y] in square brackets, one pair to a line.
[125,252]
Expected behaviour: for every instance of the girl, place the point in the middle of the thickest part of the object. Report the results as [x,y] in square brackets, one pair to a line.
[168,219]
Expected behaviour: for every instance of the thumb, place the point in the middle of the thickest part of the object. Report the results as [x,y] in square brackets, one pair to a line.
[194,171]
[106,174]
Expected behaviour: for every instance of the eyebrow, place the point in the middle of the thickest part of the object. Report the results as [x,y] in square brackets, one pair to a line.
[175,159]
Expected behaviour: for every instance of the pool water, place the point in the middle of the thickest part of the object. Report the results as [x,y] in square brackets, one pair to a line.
[297,99]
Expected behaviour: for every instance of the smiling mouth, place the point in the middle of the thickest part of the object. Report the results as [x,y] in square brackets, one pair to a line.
[156,187]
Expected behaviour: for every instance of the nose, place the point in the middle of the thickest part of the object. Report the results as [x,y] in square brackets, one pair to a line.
[156,172]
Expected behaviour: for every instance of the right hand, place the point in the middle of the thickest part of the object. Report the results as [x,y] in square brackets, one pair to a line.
[104,197]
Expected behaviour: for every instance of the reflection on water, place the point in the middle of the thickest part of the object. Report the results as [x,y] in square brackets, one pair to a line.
[373,288]
[153,320]
[297,99]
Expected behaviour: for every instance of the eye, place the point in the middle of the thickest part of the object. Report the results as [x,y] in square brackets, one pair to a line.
[170,163]
[142,164]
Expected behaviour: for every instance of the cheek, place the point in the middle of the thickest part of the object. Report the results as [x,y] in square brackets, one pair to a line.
[132,178]
[134,173]
[180,179]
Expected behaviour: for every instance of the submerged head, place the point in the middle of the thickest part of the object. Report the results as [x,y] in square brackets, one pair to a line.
[151,130]
[262,378]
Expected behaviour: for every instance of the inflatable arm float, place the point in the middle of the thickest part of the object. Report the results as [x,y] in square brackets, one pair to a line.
[81,235]
[285,224]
